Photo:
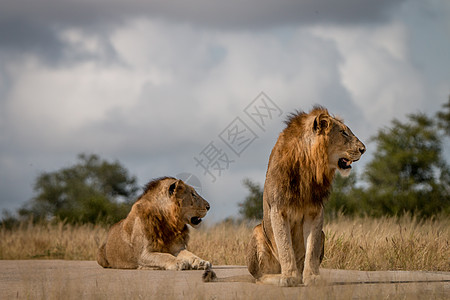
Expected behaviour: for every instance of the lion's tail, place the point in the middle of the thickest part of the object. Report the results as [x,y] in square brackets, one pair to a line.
[101,257]
[210,276]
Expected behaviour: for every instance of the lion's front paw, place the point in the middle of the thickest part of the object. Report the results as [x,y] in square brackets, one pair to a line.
[200,264]
[313,280]
[179,265]
[289,281]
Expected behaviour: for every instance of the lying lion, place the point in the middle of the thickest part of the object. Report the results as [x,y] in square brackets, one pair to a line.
[287,247]
[155,234]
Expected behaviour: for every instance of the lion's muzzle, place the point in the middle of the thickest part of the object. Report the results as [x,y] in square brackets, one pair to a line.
[344,163]
[196,220]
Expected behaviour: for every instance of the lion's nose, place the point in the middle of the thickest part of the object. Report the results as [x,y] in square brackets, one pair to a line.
[207,206]
[362,149]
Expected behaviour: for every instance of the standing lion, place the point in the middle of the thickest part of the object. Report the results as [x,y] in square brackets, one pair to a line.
[286,248]
[155,232]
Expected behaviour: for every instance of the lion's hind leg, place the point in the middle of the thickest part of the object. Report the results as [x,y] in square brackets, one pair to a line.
[260,259]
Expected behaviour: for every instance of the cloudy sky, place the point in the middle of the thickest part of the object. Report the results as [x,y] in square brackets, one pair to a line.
[163,85]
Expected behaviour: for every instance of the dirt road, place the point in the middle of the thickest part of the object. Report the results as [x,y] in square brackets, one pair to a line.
[61,279]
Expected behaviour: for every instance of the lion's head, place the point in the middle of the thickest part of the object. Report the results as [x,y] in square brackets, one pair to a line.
[172,202]
[343,146]
[192,206]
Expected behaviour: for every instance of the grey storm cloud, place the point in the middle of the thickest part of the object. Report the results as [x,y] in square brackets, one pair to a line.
[221,14]
[32,26]
[29,37]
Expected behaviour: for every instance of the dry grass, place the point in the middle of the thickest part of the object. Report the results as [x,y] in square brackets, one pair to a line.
[51,241]
[358,244]
[222,244]
[388,244]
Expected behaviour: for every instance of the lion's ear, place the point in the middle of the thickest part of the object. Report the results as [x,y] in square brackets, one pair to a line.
[321,123]
[174,187]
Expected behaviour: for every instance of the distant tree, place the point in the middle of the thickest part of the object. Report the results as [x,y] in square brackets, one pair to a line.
[444,118]
[8,220]
[408,172]
[92,190]
[252,207]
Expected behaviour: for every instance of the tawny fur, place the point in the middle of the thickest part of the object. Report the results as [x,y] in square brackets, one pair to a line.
[287,247]
[154,235]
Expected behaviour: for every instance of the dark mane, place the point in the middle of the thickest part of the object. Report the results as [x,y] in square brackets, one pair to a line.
[154,183]
[292,116]
[299,114]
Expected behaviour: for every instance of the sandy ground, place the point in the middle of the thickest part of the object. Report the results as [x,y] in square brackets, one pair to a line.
[62,279]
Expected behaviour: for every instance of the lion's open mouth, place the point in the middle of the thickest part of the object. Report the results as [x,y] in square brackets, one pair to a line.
[196,220]
[344,163]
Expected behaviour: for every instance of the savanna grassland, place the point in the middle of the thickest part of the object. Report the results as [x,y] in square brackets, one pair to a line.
[357,244]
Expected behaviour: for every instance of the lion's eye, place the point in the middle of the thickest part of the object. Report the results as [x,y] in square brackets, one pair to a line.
[344,133]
